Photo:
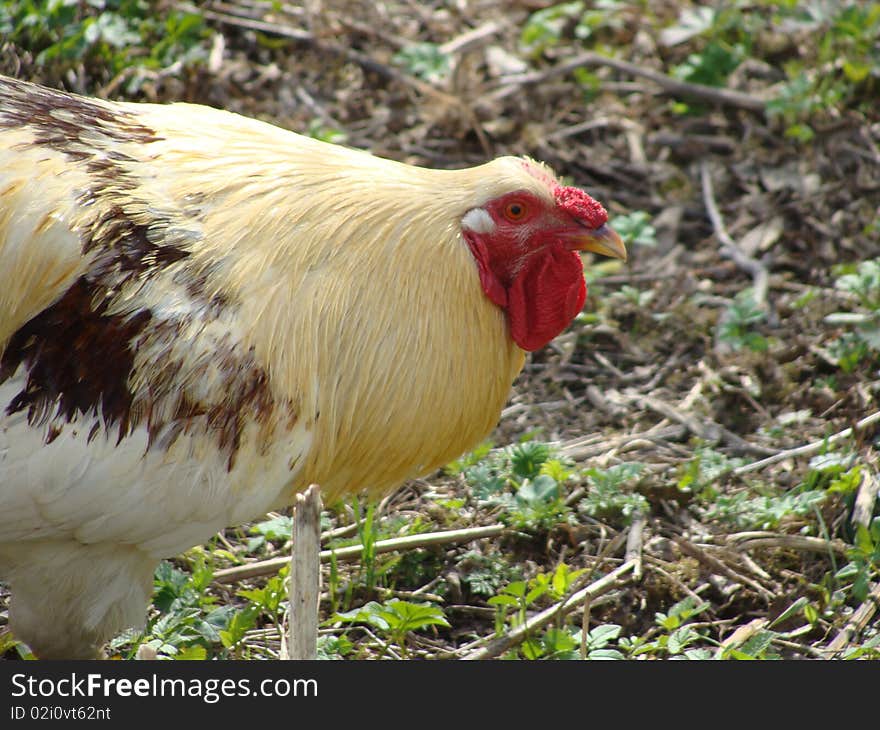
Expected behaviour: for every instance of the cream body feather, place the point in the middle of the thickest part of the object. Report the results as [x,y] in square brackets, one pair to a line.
[236,311]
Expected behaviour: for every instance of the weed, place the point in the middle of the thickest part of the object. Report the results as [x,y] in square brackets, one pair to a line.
[425,60]
[735,326]
[861,345]
[610,496]
[394,619]
[108,36]
[526,481]
[675,633]
[635,228]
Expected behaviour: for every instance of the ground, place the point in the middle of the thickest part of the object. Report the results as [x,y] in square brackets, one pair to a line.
[690,468]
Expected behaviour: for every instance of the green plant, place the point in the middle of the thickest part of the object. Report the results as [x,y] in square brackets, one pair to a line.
[765,507]
[369,534]
[635,228]
[676,634]
[864,561]
[188,623]
[762,512]
[333,647]
[276,529]
[599,640]
[319,130]
[712,65]
[395,619]
[862,343]
[735,326]
[525,480]
[425,60]
[544,28]
[843,72]
[610,496]
[485,574]
[513,602]
[108,36]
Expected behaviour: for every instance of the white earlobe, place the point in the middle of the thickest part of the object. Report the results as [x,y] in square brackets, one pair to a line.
[478,221]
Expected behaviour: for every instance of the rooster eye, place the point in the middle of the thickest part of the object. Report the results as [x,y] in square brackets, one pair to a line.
[515,211]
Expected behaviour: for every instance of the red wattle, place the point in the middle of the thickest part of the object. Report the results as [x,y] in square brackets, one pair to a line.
[490,283]
[545,296]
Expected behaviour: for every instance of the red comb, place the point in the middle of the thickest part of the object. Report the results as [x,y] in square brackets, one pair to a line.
[581,206]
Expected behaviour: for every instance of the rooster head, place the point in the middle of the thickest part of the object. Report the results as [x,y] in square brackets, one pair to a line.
[525,242]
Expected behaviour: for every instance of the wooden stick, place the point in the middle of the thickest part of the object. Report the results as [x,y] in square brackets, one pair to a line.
[353,552]
[583,448]
[634,543]
[792,542]
[863,509]
[713,563]
[809,449]
[304,588]
[585,625]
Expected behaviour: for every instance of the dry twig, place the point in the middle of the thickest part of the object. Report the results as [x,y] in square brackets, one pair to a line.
[788,542]
[812,448]
[863,509]
[729,248]
[353,552]
[856,624]
[634,543]
[719,566]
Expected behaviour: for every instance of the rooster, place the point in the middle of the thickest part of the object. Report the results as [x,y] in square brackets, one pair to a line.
[201,314]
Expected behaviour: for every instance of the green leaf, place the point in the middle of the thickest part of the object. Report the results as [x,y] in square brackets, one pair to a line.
[238,625]
[277,528]
[424,60]
[602,636]
[542,489]
[528,458]
[799,605]
[370,613]
[503,600]
[191,653]
[406,616]
[758,644]
[605,654]
[691,22]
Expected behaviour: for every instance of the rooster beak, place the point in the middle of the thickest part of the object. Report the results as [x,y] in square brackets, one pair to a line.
[603,240]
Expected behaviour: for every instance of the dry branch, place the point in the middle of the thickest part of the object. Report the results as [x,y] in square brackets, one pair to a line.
[791,542]
[719,566]
[634,542]
[812,448]
[863,509]
[583,448]
[353,552]
[729,247]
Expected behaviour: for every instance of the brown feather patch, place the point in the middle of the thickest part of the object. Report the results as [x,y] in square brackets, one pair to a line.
[78,360]
[87,354]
